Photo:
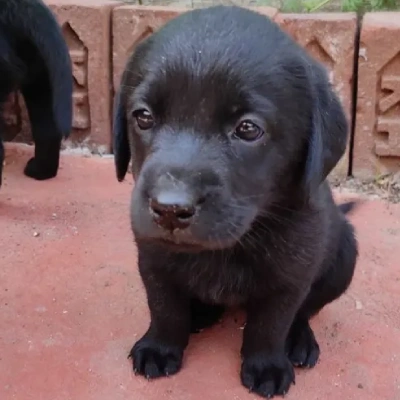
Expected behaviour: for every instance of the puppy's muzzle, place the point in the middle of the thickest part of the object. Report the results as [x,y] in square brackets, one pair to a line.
[173,205]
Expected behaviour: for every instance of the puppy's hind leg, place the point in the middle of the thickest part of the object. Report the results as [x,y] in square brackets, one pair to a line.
[204,315]
[301,345]
[1,159]
[45,133]
[2,129]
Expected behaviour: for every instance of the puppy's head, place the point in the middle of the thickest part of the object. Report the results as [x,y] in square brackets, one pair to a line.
[223,116]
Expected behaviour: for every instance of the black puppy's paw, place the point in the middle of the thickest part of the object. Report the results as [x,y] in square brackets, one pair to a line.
[267,376]
[203,315]
[153,359]
[301,346]
[38,172]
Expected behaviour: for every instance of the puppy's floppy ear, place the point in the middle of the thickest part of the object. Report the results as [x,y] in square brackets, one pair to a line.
[122,152]
[328,135]
[131,78]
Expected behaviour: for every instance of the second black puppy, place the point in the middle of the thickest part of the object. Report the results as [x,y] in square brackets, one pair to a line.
[34,59]
[232,129]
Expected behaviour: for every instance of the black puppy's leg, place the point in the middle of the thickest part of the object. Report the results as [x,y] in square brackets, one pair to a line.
[160,351]
[1,159]
[204,315]
[47,138]
[5,89]
[266,369]
[302,347]
[2,125]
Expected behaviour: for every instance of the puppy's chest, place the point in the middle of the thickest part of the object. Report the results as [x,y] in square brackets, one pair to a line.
[219,280]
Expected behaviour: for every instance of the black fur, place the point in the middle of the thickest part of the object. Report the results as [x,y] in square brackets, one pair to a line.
[219,221]
[34,59]
[348,207]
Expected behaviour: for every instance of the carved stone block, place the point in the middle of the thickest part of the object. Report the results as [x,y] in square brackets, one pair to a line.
[377,134]
[132,24]
[330,38]
[86,25]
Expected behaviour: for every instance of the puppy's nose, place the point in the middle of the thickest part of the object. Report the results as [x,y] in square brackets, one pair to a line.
[173,210]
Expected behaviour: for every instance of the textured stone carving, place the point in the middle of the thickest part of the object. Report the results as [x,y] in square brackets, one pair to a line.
[329,38]
[315,48]
[79,59]
[387,140]
[132,24]
[86,26]
[377,133]
[87,30]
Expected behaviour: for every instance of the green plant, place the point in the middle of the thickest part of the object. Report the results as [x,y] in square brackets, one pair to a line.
[370,5]
[308,6]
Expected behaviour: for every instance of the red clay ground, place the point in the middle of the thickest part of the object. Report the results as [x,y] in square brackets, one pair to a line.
[72,304]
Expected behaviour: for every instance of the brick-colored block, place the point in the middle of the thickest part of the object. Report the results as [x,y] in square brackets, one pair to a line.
[132,24]
[87,29]
[330,38]
[270,12]
[86,26]
[377,135]
[11,113]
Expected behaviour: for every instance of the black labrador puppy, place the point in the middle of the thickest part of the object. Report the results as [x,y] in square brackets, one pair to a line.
[231,129]
[34,58]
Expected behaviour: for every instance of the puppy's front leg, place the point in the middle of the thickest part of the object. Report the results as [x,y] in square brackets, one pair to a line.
[266,368]
[1,160]
[160,351]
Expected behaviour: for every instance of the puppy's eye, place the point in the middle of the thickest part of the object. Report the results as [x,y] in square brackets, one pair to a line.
[248,131]
[144,119]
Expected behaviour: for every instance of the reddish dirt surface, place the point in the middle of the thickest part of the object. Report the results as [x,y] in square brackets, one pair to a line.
[72,304]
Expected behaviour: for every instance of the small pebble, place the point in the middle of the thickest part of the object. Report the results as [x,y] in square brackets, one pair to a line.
[36,234]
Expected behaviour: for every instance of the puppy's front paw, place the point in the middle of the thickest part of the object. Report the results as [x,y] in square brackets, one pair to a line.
[153,359]
[267,376]
[302,347]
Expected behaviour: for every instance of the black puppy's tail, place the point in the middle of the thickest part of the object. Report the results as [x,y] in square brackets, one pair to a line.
[349,206]
[32,21]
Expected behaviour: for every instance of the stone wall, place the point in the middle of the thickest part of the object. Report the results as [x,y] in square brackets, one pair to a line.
[101,34]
